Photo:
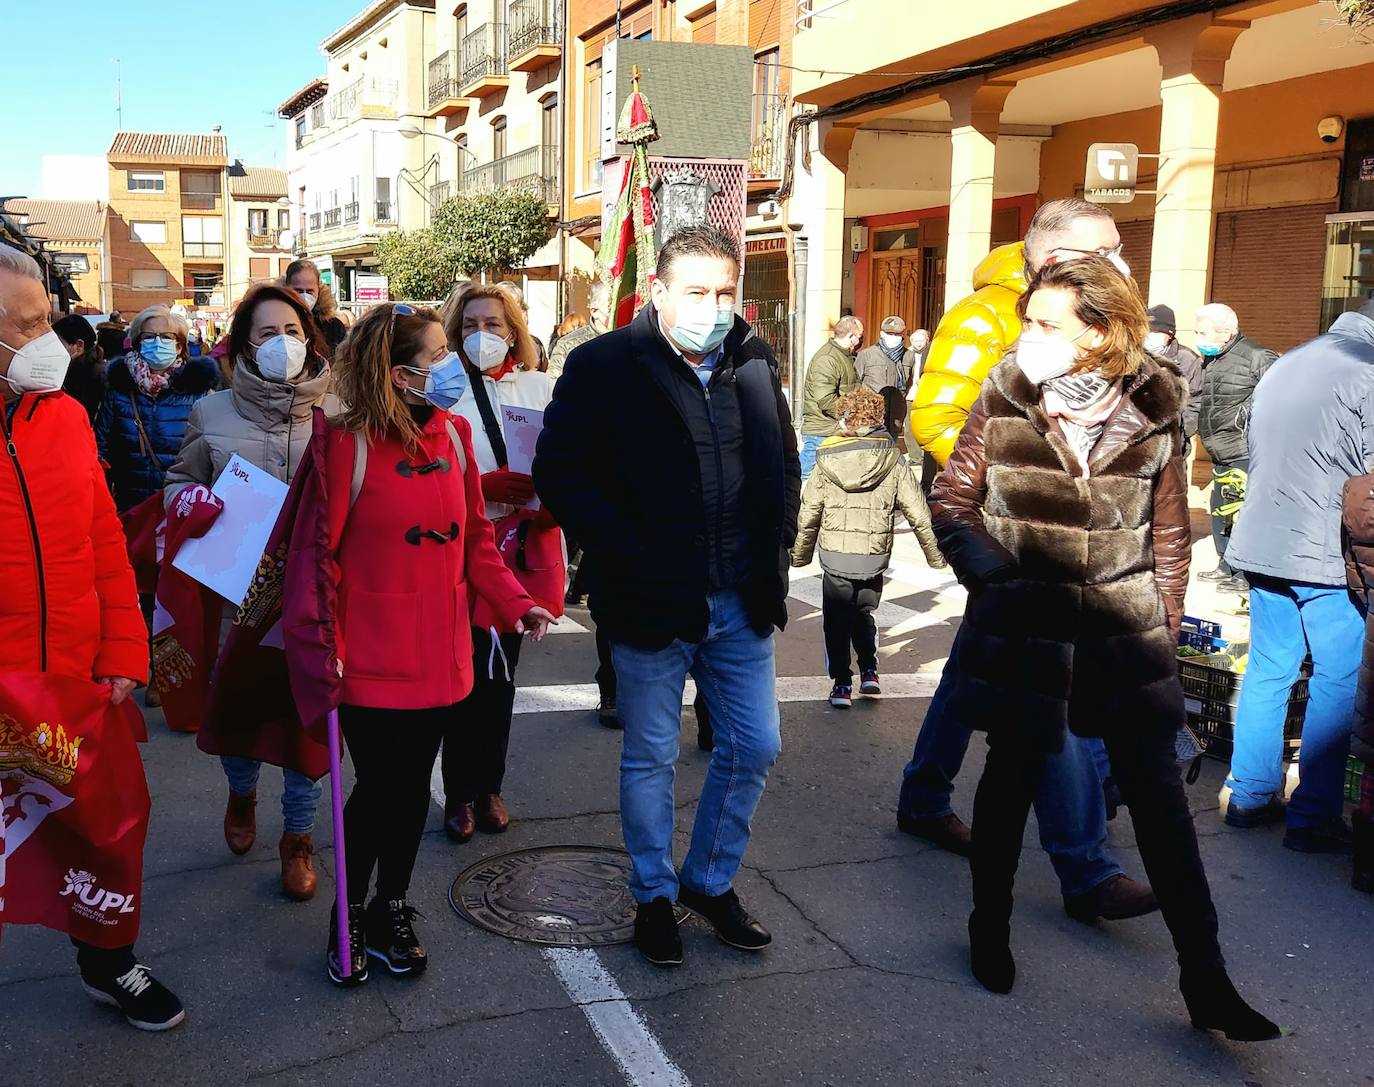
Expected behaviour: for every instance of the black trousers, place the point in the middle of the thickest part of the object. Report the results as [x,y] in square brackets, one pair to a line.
[103,963]
[477,735]
[847,608]
[1221,528]
[1147,772]
[393,752]
[605,667]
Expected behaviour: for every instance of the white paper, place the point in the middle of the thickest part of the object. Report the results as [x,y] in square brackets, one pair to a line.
[227,556]
[522,428]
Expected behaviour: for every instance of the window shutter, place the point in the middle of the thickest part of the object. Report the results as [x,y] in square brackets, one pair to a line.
[704,28]
[765,23]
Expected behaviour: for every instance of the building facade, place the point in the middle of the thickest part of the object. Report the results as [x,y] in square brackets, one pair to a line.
[1256,179]
[164,225]
[73,233]
[261,238]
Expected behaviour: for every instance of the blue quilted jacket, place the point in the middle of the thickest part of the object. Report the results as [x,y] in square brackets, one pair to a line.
[134,474]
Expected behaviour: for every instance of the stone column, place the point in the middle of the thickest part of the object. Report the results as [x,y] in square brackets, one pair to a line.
[1192,55]
[816,210]
[975,107]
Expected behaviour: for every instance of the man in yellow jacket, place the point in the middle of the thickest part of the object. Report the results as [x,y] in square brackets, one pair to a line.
[1071,806]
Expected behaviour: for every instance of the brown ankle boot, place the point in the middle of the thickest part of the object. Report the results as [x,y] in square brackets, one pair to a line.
[492,816]
[241,823]
[298,878]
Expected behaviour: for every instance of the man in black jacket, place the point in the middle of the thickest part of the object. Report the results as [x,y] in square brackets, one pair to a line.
[1232,365]
[668,452]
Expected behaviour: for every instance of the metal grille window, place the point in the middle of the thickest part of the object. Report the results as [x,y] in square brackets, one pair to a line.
[764,304]
[484,53]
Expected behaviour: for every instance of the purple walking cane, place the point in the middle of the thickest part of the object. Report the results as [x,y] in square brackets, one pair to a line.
[340,869]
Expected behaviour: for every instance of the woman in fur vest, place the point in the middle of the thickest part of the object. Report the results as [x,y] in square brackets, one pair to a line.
[1064,512]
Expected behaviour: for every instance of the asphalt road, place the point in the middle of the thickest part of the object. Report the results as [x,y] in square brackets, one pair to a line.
[867,982]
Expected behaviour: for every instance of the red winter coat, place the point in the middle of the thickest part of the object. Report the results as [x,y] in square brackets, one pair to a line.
[67,597]
[403,631]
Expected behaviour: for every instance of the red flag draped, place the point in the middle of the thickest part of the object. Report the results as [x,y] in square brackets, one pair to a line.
[627,253]
[143,525]
[75,808]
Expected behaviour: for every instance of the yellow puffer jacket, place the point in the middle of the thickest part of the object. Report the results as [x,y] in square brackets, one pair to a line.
[969,342]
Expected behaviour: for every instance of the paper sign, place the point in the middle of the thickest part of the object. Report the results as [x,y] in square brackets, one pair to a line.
[522,427]
[225,558]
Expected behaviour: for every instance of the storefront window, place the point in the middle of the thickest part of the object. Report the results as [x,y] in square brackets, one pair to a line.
[1349,278]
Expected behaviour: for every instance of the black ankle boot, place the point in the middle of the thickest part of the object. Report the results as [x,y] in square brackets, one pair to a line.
[989,952]
[1363,879]
[1214,1004]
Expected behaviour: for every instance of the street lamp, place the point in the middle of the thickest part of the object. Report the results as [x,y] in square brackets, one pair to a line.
[411,131]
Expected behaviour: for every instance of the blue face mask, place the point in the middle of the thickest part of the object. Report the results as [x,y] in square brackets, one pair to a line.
[702,326]
[159,352]
[445,381]
[1210,350]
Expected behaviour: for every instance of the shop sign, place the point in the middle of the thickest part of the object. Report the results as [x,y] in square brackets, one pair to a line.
[1112,173]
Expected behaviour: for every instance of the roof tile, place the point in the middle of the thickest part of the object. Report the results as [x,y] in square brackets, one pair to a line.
[60,220]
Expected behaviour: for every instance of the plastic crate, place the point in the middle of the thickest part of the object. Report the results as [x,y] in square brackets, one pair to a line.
[1211,693]
[1202,634]
[1354,771]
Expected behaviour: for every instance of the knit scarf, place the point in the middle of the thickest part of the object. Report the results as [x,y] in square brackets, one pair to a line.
[152,382]
[1082,403]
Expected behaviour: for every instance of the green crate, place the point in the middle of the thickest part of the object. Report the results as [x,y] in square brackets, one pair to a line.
[1354,770]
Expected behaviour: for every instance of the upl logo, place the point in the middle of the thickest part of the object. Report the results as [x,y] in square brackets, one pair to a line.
[1112,172]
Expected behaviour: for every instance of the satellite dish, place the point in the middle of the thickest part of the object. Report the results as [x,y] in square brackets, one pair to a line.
[286,240]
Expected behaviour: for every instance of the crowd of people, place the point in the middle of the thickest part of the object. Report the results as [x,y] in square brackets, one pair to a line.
[1038,443]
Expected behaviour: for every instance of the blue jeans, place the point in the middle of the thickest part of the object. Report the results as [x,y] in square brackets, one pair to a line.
[809,444]
[1069,806]
[1288,620]
[299,796]
[733,668]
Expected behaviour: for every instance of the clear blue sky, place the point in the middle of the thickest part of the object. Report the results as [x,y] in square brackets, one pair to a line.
[186,67]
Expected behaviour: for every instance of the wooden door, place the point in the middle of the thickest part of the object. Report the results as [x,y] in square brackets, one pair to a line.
[895,290]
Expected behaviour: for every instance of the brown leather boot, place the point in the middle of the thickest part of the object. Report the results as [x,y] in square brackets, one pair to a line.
[298,878]
[241,823]
[460,823]
[492,816]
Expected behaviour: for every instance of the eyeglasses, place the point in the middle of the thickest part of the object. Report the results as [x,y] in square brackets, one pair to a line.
[400,309]
[1108,253]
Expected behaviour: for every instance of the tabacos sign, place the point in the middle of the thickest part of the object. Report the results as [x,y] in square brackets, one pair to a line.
[1112,173]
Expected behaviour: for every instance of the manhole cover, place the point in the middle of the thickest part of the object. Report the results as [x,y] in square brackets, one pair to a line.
[560,895]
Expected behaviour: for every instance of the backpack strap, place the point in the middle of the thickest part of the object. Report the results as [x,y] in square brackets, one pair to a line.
[355,485]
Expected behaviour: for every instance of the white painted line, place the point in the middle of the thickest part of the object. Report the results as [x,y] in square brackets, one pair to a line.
[895,619]
[568,625]
[620,1029]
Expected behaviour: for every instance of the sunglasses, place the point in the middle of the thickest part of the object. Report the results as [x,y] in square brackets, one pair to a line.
[400,309]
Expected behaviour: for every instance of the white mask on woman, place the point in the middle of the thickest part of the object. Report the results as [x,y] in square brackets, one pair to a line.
[1043,358]
[280,357]
[485,350]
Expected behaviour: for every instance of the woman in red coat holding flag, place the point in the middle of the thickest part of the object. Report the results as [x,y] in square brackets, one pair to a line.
[409,550]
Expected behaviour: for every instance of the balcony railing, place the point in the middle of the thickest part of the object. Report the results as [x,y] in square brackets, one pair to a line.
[262,238]
[314,220]
[332,217]
[769,151]
[533,23]
[438,193]
[385,212]
[534,170]
[366,96]
[351,212]
[484,54]
[443,82]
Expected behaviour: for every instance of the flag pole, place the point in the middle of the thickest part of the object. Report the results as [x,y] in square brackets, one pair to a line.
[340,869]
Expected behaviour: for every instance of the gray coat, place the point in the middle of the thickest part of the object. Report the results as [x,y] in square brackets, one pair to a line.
[1311,429]
[879,372]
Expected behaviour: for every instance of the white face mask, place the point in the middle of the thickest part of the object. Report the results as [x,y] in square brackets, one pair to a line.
[40,366]
[889,340]
[485,350]
[1044,358]
[281,357]
[308,298]
[1156,342]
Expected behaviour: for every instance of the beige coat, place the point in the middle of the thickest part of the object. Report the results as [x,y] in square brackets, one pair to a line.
[850,507]
[267,423]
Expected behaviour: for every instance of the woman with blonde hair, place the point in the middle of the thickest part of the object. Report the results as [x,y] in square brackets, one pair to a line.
[1064,511]
[486,326]
[410,550]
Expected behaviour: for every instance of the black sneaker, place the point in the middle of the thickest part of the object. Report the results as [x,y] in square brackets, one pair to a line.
[607,714]
[656,933]
[357,948]
[391,938]
[1332,836]
[146,1003]
[1274,811]
[728,917]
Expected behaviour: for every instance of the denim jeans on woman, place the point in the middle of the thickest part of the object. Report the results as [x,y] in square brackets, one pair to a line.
[299,797]
[734,671]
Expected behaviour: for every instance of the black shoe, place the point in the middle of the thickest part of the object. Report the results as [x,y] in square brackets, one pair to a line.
[1219,574]
[1111,796]
[949,832]
[989,953]
[1214,1004]
[1234,584]
[391,938]
[608,715]
[728,917]
[656,933]
[146,1003]
[706,735]
[1333,836]
[357,948]
[1265,815]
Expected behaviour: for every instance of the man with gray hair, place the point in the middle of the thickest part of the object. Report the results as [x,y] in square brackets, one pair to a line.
[830,375]
[883,368]
[74,615]
[598,309]
[1232,365]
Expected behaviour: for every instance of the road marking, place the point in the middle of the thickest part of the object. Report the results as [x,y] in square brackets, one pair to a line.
[620,1029]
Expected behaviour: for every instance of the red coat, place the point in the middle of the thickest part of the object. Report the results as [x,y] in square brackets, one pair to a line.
[403,632]
[68,602]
